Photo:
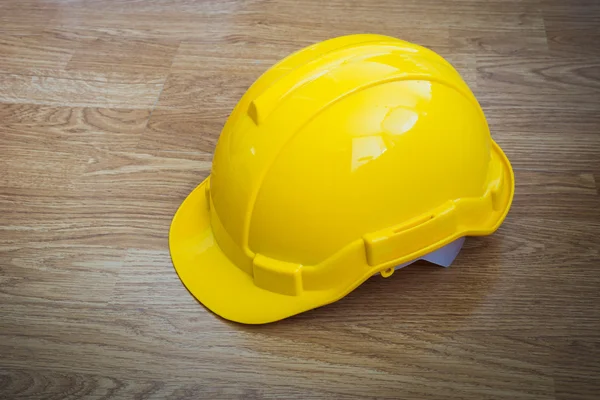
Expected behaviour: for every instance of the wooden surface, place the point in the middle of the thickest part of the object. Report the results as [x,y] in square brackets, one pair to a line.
[109,114]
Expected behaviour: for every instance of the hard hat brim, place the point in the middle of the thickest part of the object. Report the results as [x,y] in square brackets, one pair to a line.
[218,283]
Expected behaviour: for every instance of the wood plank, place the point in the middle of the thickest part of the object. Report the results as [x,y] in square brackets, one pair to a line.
[23,382]
[74,277]
[184,130]
[24,125]
[572,27]
[561,150]
[34,50]
[523,37]
[541,73]
[481,374]
[109,54]
[22,89]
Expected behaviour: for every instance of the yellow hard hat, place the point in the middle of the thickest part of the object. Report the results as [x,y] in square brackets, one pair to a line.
[344,160]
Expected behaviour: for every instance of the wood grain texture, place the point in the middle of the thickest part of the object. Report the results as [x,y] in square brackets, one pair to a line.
[109,115]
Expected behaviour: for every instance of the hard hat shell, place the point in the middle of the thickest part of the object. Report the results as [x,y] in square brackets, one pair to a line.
[343,160]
